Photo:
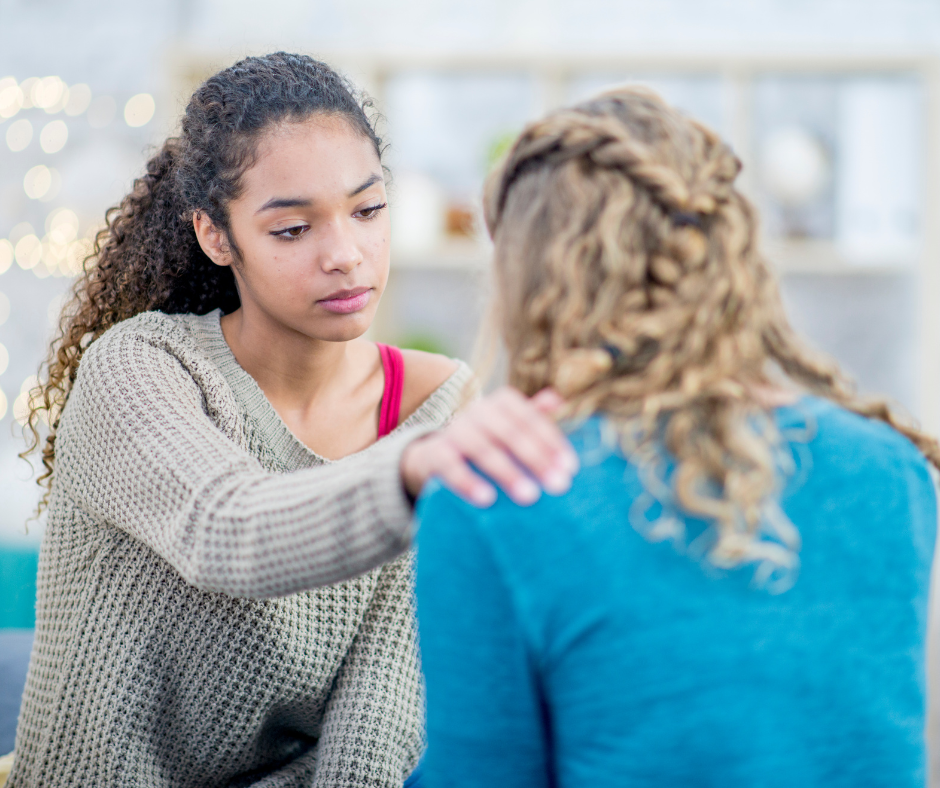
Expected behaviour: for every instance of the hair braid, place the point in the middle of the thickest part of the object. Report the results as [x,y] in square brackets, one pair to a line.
[631,281]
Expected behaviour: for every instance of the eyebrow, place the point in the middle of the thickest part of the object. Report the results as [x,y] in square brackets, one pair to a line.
[299,202]
[283,202]
[372,179]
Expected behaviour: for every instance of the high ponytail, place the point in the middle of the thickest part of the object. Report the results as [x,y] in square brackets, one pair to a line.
[147,256]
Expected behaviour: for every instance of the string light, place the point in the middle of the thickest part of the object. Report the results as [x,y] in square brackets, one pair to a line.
[26,86]
[19,230]
[60,252]
[19,135]
[28,252]
[139,110]
[54,136]
[62,225]
[21,403]
[6,255]
[11,97]
[37,182]
[47,92]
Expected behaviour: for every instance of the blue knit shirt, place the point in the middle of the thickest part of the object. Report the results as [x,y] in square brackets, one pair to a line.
[562,648]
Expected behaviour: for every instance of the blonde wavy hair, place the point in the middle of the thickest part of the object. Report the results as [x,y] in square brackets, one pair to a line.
[629,279]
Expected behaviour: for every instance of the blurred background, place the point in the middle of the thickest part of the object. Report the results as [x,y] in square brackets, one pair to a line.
[832,105]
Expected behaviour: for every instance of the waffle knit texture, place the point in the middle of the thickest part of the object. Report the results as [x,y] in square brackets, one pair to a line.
[214,605]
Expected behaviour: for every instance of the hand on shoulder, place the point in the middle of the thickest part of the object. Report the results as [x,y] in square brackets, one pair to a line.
[507,436]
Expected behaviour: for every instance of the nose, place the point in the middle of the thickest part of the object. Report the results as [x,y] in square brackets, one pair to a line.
[338,250]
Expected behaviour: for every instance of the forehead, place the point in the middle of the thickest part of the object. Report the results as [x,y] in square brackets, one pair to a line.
[318,155]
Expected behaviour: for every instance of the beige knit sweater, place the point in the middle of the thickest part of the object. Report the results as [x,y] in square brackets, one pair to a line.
[178,642]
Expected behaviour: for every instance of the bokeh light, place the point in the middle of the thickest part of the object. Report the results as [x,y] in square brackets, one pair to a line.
[3,404]
[4,359]
[20,230]
[139,110]
[37,182]
[79,99]
[101,112]
[62,226]
[21,403]
[61,231]
[6,255]
[53,136]
[47,93]
[11,97]
[53,191]
[4,308]
[28,252]
[76,254]
[19,135]
[26,86]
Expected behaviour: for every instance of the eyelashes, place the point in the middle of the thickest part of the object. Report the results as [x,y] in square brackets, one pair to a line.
[297,231]
[372,211]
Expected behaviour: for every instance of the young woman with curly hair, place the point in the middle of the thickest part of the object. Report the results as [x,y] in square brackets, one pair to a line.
[734,591]
[223,597]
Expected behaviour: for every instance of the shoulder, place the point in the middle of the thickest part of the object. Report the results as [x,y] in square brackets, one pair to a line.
[429,374]
[856,442]
[150,328]
[146,344]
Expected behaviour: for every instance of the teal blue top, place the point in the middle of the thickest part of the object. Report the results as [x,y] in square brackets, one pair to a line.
[563,648]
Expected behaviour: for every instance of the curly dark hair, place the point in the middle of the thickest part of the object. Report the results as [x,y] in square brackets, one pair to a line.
[147,257]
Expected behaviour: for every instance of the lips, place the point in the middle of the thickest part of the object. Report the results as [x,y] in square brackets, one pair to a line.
[344,302]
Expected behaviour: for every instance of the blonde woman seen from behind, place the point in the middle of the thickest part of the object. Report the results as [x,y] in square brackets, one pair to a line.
[734,590]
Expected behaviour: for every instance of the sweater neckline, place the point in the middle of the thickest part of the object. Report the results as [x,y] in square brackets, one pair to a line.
[276,434]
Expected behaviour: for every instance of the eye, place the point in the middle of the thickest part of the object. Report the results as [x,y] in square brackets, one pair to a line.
[290,233]
[370,212]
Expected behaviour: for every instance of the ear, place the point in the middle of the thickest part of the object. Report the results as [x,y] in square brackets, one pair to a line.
[212,239]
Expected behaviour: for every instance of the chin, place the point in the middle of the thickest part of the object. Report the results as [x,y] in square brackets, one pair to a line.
[343,329]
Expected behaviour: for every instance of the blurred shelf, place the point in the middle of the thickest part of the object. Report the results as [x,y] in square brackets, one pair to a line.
[823,258]
[785,257]
[469,256]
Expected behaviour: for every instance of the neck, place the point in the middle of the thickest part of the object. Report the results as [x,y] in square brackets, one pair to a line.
[289,366]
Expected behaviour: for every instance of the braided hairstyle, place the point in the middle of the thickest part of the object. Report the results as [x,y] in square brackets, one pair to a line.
[147,257]
[630,280]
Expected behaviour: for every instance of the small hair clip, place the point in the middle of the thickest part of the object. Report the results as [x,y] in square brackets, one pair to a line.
[625,364]
[686,219]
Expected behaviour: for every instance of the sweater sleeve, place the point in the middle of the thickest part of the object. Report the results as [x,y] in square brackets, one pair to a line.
[486,720]
[373,726]
[137,451]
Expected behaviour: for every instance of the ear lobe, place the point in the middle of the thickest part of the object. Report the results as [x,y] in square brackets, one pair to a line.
[211,239]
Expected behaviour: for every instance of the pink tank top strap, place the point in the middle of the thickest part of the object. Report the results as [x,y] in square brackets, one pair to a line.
[394,367]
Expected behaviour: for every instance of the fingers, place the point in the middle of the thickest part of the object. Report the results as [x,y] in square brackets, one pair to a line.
[507,437]
[459,478]
[480,445]
[529,434]
[435,455]
[547,401]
